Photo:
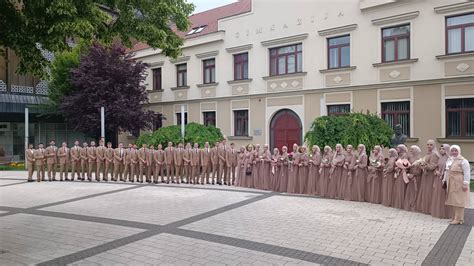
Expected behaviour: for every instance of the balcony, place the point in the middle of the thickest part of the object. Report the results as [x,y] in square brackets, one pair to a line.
[40,89]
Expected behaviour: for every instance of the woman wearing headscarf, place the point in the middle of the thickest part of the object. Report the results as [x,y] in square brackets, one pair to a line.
[360,175]
[257,162]
[275,169]
[265,168]
[240,168]
[248,166]
[413,176]
[313,172]
[375,175]
[388,180]
[283,177]
[345,191]
[335,173]
[293,172]
[429,165]
[324,171]
[303,170]
[457,176]
[438,207]
[400,176]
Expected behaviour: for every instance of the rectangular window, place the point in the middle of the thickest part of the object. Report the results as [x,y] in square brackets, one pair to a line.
[396,43]
[339,109]
[241,123]
[395,113]
[241,66]
[157,78]
[286,60]
[178,118]
[209,71]
[182,75]
[460,34]
[339,52]
[460,118]
[209,118]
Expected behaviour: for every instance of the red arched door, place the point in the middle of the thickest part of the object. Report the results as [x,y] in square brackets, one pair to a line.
[285,129]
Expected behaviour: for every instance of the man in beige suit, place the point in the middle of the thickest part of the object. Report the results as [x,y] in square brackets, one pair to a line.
[169,161]
[39,155]
[159,162]
[134,163]
[215,162]
[91,160]
[221,153]
[84,161]
[119,158]
[205,163]
[109,162]
[100,161]
[63,155]
[178,163]
[142,164]
[150,164]
[51,160]
[128,162]
[187,162]
[75,160]
[195,163]
[30,161]
[231,160]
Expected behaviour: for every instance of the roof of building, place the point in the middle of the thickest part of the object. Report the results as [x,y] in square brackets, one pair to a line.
[206,22]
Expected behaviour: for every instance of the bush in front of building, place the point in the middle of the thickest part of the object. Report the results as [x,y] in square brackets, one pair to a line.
[194,133]
[352,128]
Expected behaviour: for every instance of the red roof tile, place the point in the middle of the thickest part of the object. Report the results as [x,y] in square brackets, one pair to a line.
[208,18]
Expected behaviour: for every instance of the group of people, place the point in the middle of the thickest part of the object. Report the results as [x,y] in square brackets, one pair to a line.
[436,183]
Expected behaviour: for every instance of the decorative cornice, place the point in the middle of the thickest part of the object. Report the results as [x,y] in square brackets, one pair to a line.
[298,74]
[156,64]
[401,62]
[458,55]
[340,69]
[180,59]
[284,40]
[207,54]
[396,18]
[204,85]
[153,91]
[180,88]
[455,140]
[239,81]
[237,49]
[239,137]
[454,7]
[337,30]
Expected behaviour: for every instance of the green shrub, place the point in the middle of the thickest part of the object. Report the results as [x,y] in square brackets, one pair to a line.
[194,133]
[352,128]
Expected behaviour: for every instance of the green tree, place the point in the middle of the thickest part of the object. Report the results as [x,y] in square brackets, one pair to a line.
[27,23]
[195,133]
[353,128]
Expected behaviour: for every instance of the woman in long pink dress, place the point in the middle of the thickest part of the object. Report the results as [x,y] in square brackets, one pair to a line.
[425,189]
[313,172]
[375,175]
[240,167]
[265,168]
[283,177]
[293,172]
[248,166]
[387,179]
[438,199]
[413,176]
[347,173]
[324,171]
[275,170]
[257,162]
[398,191]
[335,173]
[358,194]
[303,170]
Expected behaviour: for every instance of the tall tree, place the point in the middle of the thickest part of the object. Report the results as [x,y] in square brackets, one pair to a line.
[108,77]
[27,23]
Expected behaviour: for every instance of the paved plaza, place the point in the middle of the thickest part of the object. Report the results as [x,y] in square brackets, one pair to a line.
[90,223]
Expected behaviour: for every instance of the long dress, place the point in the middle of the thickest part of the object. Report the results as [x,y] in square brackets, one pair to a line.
[265,170]
[248,167]
[274,172]
[388,182]
[324,176]
[438,198]
[411,190]
[313,174]
[240,170]
[456,196]
[303,173]
[293,174]
[317,164]
[375,178]
[283,177]
[358,194]
[345,191]
[257,162]
[336,175]
[423,201]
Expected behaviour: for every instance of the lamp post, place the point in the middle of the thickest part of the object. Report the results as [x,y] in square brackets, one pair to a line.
[102,123]
[27,123]
[182,122]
